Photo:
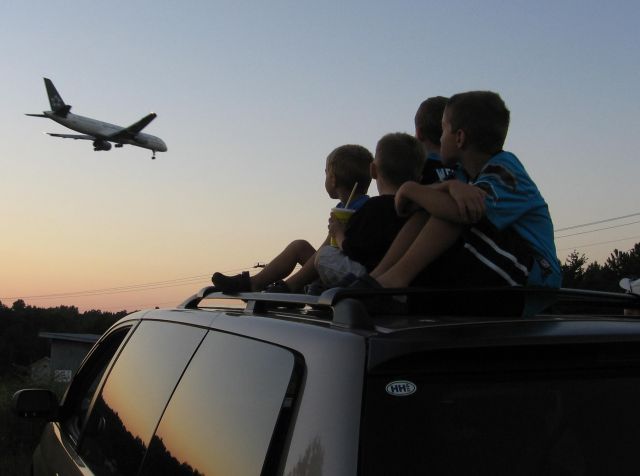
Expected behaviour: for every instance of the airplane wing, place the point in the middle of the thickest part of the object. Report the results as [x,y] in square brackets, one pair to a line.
[131,131]
[72,136]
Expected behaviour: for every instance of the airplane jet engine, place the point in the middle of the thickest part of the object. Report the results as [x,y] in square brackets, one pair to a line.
[101,145]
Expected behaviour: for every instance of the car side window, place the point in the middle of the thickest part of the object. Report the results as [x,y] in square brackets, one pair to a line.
[222,416]
[83,387]
[136,391]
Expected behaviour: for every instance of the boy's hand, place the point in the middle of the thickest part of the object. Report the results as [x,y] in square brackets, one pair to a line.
[336,230]
[404,204]
[469,199]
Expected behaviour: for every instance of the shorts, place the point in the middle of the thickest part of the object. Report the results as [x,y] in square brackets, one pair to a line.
[482,257]
[333,266]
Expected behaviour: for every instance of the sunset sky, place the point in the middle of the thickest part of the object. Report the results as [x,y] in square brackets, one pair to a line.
[252,96]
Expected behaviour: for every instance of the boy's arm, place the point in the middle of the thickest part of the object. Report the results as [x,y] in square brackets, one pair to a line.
[452,200]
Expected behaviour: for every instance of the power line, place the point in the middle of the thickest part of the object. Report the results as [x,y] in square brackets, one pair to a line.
[597,222]
[102,293]
[114,290]
[599,243]
[121,289]
[598,229]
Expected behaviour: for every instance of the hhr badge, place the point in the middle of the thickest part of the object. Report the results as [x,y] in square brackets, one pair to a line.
[401,388]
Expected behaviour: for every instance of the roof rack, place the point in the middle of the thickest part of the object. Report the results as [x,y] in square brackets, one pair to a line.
[352,307]
[347,311]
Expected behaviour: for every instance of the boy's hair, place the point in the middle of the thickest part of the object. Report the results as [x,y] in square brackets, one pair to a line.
[400,158]
[350,164]
[428,118]
[483,116]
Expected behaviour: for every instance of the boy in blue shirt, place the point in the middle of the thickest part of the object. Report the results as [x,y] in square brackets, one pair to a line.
[345,166]
[490,227]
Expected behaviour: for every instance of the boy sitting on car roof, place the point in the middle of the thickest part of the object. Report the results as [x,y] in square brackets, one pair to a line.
[347,170]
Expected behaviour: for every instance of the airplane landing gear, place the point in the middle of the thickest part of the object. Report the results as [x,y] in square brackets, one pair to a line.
[153,157]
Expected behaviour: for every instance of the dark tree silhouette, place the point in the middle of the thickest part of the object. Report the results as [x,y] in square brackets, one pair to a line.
[578,273]
[20,325]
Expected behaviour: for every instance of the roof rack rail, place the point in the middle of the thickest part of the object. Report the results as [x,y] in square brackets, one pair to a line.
[353,313]
[346,312]
[331,296]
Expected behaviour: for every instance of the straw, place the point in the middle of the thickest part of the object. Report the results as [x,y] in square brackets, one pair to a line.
[353,192]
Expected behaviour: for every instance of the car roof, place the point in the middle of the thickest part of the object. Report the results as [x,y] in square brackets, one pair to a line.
[577,317]
[389,311]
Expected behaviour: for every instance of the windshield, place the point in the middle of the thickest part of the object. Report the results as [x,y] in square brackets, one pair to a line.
[515,419]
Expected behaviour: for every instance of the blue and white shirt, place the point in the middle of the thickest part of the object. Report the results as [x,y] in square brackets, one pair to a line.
[515,211]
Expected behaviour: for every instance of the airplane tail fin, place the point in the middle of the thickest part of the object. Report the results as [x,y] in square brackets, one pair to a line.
[57,104]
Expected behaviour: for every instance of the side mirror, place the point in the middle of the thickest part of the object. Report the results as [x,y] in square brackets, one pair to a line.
[35,403]
[625,283]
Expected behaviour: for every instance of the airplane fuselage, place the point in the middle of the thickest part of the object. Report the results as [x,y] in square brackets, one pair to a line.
[103,131]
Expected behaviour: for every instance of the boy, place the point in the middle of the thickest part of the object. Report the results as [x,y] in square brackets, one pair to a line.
[364,240]
[428,122]
[491,227]
[345,166]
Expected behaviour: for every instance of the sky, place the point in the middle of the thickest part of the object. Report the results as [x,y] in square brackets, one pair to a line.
[252,96]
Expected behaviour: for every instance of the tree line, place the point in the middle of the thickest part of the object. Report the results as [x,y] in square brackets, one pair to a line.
[577,272]
[20,325]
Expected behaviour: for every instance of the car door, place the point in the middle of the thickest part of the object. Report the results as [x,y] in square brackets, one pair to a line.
[109,416]
[56,453]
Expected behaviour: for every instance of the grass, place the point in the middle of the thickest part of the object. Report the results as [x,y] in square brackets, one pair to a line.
[18,437]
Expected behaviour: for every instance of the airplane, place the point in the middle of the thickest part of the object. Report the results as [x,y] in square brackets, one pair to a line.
[101,133]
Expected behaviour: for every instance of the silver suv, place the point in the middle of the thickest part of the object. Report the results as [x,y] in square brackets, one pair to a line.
[353,382]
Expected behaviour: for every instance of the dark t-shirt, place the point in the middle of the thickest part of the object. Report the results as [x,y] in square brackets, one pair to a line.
[371,230]
[434,171]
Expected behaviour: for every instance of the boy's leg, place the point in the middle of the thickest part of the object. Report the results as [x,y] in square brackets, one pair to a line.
[297,252]
[305,275]
[403,240]
[435,237]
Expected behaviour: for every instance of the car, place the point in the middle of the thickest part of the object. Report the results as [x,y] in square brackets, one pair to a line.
[354,382]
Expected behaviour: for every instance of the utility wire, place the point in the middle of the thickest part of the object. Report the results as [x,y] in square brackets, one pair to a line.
[122,289]
[114,290]
[189,280]
[599,243]
[598,229]
[597,222]
[98,293]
